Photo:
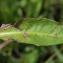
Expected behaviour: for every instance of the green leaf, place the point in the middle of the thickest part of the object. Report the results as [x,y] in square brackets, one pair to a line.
[41,32]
